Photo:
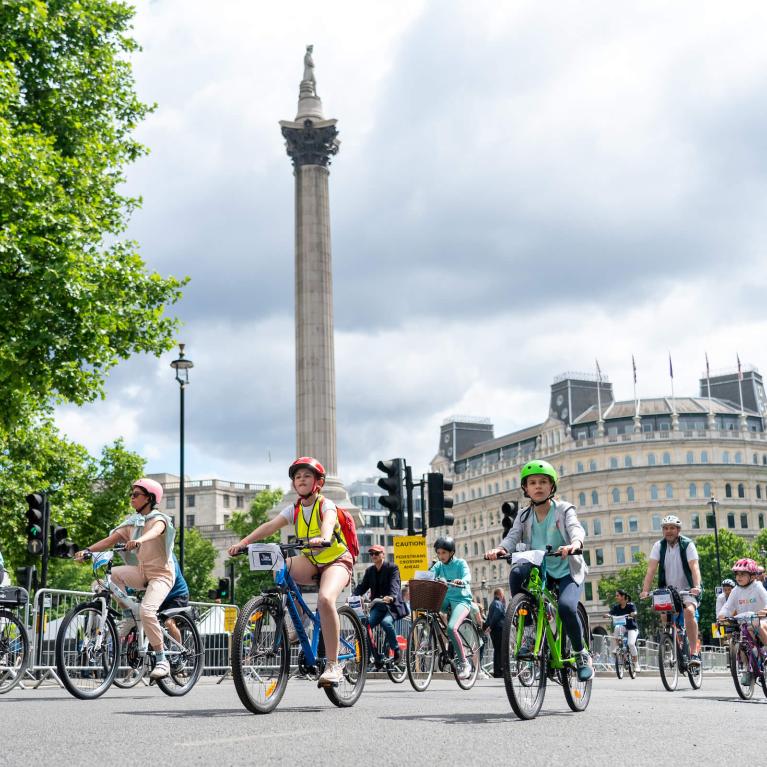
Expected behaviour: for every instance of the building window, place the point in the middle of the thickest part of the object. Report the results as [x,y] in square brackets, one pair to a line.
[472,493]
[190,501]
[585,526]
[466,549]
[692,490]
[227,517]
[704,456]
[728,490]
[651,459]
[690,457]
[741,490]
[656,521]
[190,519]
[633,525]
[695,521]
[744,520]
[758,491]
[653,492]
[630,494]
[170,502]
[618,525]
[616,495]
[506,484]
[666,459]
[597,525]
[707,490]
[669,491]
[725,456]
[592,465]
[588,591]
[599,556]
[579,467]
[634,553]
[709,520]
[756,459]
[738,457]
[613,462]
[476,549]
[226,501]
[731,520]
[620,555]
[594,498]
[581,499]
[761,520]
[587,557]
[627,461]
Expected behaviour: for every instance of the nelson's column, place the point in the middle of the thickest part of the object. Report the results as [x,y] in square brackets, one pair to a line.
[311,141]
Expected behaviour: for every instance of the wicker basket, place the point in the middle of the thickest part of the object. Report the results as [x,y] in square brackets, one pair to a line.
[427,595]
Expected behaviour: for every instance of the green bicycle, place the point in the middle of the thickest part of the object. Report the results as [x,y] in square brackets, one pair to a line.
[535,647]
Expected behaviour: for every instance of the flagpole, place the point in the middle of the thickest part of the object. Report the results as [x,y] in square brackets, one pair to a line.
[740,385]
[636,402]
[599,398]
[708,385]
[671,373]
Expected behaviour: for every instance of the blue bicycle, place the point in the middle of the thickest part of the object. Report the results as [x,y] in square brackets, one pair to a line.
[260,647]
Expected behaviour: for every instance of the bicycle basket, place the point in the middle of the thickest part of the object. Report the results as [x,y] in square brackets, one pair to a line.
[13,596]
[427,595]
[662,601]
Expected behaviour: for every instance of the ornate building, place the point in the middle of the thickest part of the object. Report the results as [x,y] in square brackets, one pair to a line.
[623,464]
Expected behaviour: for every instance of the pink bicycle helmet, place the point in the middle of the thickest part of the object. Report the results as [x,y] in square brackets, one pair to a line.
[151,487]
[746,566]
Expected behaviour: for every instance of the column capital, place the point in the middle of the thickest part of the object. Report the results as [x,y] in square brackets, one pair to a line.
[310,142]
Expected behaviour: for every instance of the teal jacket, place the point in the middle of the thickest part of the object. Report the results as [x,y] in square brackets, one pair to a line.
[455,570]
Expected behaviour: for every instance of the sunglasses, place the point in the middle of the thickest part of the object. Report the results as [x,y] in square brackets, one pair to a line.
[376,553]
[139,495]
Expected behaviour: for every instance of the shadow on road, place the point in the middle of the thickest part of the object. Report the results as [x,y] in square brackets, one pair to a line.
[726,699]
[206,713]
[471,718]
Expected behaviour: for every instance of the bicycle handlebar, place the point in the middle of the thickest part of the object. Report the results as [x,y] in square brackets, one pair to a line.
[548,553]
[301,543]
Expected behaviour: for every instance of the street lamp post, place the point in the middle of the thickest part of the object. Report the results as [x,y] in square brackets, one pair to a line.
[181,366]
[714,503]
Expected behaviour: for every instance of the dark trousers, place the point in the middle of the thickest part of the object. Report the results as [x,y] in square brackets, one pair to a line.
[569,592]
[380,614]
[496,637]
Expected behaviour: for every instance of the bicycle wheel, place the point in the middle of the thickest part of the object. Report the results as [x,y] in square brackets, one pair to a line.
[260,655]
[184,656]
[87,653]
[470,643]
[14,650]
[619,665]
[523,674]
[577,693]
[397,672]
[631,666]
[740,668]
[695,675]
[421,653]
[352,655]
[669,672]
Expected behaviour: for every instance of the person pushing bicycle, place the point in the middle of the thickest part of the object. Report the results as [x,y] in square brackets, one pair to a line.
[315,518]
[148,537]
[625,607]
[550,522]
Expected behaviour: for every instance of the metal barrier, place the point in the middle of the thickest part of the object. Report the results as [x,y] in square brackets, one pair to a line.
[216,622]
[713,658]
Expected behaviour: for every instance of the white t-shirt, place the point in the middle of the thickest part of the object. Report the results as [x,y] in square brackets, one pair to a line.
[750,599]
[720,600]
[673,565]
[327,505]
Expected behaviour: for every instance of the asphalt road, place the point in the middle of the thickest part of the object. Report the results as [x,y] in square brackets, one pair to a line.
[632,722]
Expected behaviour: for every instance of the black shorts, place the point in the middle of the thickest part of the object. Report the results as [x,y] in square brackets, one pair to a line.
[170,604]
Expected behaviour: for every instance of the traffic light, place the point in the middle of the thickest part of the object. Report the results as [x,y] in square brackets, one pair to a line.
[438,502]
[36,523]
[61,546]
[392,484]
[26,577]
[509,510]
[224,589]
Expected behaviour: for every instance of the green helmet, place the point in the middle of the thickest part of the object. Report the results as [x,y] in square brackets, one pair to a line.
[538,467]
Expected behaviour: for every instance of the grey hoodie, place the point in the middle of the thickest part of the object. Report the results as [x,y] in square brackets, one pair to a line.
[568,525]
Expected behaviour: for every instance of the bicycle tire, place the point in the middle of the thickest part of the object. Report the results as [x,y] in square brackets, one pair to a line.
[619,664]
[86,665]
[421,653]
[695,675]
[577,693]
[397,672]
[260,657]
[352,641]
[740,665]
[524,679]
[14,651]
[667,662]
[631,666]
[470,641]
[185,665]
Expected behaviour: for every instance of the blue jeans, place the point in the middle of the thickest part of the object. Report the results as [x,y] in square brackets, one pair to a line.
[567,600]
[380,614]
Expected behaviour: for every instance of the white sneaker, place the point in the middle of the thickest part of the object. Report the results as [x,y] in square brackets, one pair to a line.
[465,671]
[161,670]
[331,676]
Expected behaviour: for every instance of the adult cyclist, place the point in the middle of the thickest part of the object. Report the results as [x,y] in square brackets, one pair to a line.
[549,522]
[675,558]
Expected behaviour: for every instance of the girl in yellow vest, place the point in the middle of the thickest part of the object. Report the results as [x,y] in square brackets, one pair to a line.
[315,518]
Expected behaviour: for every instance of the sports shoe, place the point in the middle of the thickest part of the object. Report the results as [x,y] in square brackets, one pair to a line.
[464,670]
[292,634]
[161,670]
[694,661]
[397,657]
[331,676]
[583,664]
[745,678]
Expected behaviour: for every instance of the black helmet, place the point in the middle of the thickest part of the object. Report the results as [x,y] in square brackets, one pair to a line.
[446,543]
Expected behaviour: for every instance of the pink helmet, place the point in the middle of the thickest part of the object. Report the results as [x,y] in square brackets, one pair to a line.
[151,487]
[746,566]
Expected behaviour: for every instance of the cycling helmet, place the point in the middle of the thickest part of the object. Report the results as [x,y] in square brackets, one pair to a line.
[728,582]
[306,462]
[152,488]
[671,519]
[446,543]
[746,566]
[538,467]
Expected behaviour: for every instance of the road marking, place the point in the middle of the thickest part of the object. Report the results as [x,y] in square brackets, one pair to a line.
[244,738]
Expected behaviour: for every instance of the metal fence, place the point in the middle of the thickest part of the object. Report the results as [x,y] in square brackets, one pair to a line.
[713,658]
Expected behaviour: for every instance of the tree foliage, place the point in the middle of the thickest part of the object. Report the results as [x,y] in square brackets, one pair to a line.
[74,297]
[249,583]
[199,561]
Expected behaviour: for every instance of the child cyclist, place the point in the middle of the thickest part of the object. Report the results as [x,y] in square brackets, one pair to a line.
[748,596]
[148,537]
[458,598]
[550,522]
[316,519]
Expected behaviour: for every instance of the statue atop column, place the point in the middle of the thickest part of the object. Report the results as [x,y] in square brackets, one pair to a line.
[309,68]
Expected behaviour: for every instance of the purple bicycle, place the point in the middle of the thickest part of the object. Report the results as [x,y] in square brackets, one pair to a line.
[746,659]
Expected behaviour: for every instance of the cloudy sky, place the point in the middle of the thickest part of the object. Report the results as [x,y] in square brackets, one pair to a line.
[522,187]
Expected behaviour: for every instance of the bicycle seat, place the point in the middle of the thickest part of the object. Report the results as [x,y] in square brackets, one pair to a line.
[177,611]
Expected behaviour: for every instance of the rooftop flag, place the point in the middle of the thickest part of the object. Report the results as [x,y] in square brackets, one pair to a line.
[634,366]
[740,372]
[670,366]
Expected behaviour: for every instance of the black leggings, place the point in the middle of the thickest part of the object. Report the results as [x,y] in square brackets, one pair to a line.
[569,592]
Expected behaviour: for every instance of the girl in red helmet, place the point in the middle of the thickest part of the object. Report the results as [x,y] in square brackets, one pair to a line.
[315,518]
[749,596]
[148,537]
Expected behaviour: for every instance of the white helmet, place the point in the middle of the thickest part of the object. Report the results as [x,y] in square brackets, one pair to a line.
[671,519]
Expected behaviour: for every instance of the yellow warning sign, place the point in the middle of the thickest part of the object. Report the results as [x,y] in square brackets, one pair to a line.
[410,555]
[230,618]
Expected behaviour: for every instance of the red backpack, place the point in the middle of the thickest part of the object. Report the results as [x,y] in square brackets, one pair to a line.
[345,522]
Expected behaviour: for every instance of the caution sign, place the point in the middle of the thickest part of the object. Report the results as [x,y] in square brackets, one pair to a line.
[230,618]
[410,555]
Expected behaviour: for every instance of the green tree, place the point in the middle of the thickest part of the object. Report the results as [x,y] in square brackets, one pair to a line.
[249,583]
[74,297]
[199,561]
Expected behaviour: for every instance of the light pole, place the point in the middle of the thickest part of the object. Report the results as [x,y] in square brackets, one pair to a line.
[714,503]
[181,366]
